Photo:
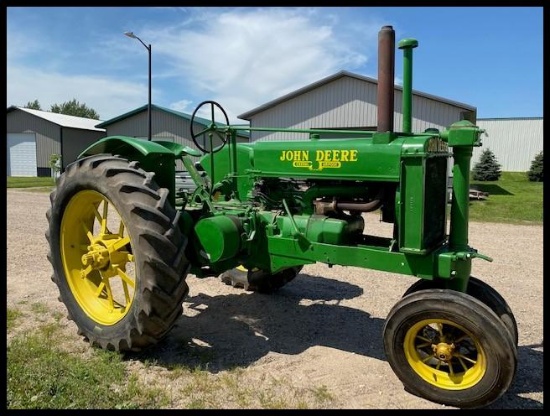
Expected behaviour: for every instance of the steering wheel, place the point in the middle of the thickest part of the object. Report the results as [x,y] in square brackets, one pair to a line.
[213,127]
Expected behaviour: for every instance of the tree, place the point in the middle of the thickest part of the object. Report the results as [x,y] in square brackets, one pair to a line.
[487,169]
[33,105]
[535,172]
[74,108]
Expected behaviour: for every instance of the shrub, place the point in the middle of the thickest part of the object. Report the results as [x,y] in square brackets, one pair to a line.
[487,169]
[535,172]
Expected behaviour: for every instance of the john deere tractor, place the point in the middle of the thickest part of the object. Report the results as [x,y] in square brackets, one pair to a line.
[123,237]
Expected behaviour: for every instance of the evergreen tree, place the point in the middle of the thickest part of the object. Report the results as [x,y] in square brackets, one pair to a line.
[487,169]
[33,105]
[535,172]
[74,108]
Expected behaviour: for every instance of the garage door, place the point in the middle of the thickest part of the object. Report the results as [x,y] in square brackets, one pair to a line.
[21,154]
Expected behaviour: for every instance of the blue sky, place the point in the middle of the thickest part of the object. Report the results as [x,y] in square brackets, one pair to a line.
[487,57]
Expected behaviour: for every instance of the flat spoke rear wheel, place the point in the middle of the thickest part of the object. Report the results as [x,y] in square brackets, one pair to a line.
[118,253]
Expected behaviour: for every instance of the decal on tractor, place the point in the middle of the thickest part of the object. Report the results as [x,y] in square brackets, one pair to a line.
[323,158]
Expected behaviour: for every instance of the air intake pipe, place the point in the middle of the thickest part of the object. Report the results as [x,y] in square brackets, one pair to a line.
[407,45]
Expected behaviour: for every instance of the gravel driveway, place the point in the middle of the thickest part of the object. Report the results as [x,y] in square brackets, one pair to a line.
[322,329]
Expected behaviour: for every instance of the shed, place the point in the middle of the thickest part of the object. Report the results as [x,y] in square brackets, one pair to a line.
[349,101]
[33,136]
[515,141]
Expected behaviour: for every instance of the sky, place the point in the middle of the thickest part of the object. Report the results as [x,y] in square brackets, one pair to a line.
[243,57]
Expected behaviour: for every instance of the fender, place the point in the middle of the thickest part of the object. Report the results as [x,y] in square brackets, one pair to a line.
[158,157]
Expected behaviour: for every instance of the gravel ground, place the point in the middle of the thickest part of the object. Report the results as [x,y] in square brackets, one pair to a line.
[322,329]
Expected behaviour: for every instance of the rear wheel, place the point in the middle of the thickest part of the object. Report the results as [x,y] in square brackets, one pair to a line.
[481,291]
[259,280]
[117,253]
[450,348]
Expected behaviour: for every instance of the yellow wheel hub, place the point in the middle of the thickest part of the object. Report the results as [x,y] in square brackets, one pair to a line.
[444,354]
[97,257]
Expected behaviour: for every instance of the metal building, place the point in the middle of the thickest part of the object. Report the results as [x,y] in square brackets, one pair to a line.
[33,136]
[349,101]
[514,141]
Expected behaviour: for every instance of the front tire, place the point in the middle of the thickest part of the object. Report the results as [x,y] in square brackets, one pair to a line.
[450,348]
[481,291]
[117,253]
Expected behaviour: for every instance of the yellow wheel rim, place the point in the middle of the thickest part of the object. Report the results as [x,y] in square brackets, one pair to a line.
[97,257]
[444,354]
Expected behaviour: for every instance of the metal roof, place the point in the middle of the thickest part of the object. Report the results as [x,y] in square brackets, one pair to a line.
[186,116]
[334,77]
[62,120]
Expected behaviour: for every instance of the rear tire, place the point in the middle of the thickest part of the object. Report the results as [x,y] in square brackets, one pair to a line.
[117,253]
[449,348]
[483,292]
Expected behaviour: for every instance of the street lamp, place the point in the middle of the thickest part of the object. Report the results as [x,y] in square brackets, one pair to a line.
[148,47]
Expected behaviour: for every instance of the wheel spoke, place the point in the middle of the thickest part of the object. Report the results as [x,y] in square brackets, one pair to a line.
[126,280]
[461,361]
[110,296]
[426,359]
[424,339]
[466,358]
[121,229]
[88,232]
[439,327]
[451,371]
[100,289]
[97,215]
[104,229]
[84,273]
[121,243]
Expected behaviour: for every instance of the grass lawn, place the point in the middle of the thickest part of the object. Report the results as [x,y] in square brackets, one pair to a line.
[29,182]
[512,199]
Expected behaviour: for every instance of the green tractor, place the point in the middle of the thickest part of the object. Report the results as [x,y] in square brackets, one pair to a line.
[123,238]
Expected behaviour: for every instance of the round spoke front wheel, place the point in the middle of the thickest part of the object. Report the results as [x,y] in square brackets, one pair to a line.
[450,348]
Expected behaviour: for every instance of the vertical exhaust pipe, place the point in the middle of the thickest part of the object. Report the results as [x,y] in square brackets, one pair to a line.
[386,73]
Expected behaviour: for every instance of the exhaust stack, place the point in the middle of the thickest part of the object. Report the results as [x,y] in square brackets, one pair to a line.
[386,73]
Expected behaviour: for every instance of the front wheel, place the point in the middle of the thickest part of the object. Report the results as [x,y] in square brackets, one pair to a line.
[481,291]
[450,348]
[117,253]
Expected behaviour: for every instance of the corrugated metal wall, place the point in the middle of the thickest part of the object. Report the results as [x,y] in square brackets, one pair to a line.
[514,141]
[76,140]
[47,134]
[345,103]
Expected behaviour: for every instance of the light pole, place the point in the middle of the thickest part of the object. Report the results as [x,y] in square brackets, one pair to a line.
[148,47]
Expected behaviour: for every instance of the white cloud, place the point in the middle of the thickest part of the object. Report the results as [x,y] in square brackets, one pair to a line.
[239,57]
[246,57]
[183,106]
[108,97]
